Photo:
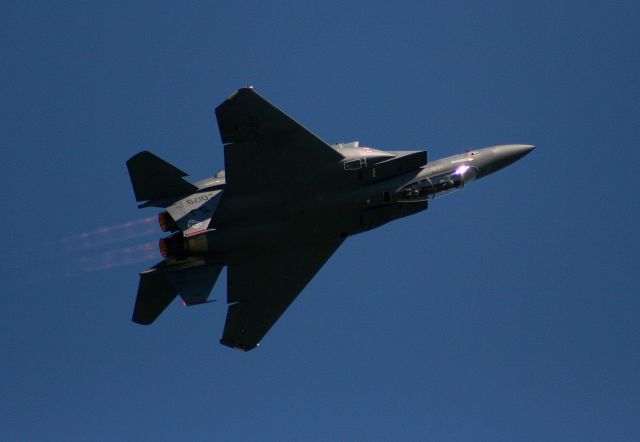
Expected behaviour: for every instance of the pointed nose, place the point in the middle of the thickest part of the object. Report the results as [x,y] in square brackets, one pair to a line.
[502,156]
[511,153]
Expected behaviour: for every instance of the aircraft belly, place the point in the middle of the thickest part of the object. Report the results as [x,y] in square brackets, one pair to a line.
[284,204]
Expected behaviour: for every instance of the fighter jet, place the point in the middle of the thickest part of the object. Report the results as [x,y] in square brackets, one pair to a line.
[284,203]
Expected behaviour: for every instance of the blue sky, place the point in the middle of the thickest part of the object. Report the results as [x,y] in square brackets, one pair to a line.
[507,311]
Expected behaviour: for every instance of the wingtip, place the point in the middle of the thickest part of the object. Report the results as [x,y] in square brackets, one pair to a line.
[235,346]
[141,320]
[235,93]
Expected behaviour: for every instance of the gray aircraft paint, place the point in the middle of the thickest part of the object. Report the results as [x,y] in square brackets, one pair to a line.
[284,204]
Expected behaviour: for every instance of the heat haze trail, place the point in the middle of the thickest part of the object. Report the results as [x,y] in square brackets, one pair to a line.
[105,236]
[99,249]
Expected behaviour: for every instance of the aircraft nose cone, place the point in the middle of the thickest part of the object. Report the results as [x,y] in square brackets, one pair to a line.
[511,153]
[502,156]
[517,151]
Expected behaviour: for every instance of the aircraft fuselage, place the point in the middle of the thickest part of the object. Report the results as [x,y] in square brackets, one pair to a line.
[284,204]
[339,202]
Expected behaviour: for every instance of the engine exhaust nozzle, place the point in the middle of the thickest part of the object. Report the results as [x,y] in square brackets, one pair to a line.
[167,224]
[172,246]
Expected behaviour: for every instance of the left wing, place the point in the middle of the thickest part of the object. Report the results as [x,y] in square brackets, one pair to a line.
[262,283]
[265,146]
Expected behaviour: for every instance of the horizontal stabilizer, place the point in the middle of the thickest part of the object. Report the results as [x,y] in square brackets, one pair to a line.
[154,179]
[155,293]
[192,278]
[195,281]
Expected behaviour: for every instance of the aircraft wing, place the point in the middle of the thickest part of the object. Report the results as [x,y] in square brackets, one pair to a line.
[264,147]
[262,283]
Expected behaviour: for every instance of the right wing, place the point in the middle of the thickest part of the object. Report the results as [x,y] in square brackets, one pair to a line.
[265,146]
[262,283]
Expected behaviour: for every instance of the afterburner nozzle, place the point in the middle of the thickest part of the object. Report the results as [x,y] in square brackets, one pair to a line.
[167,224]
[180,246]
[172,246]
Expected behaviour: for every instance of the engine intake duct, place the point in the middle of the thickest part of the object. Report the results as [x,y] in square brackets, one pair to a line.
[397,165]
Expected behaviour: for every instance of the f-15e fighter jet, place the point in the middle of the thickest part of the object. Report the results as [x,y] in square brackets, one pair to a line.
[284,203]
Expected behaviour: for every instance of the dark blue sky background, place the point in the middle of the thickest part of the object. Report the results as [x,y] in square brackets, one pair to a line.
[507,311]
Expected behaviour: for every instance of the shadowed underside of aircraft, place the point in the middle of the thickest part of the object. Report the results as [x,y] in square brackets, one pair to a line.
[284,203]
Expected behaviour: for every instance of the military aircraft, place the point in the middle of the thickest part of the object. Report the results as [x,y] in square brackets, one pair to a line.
[284,203]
